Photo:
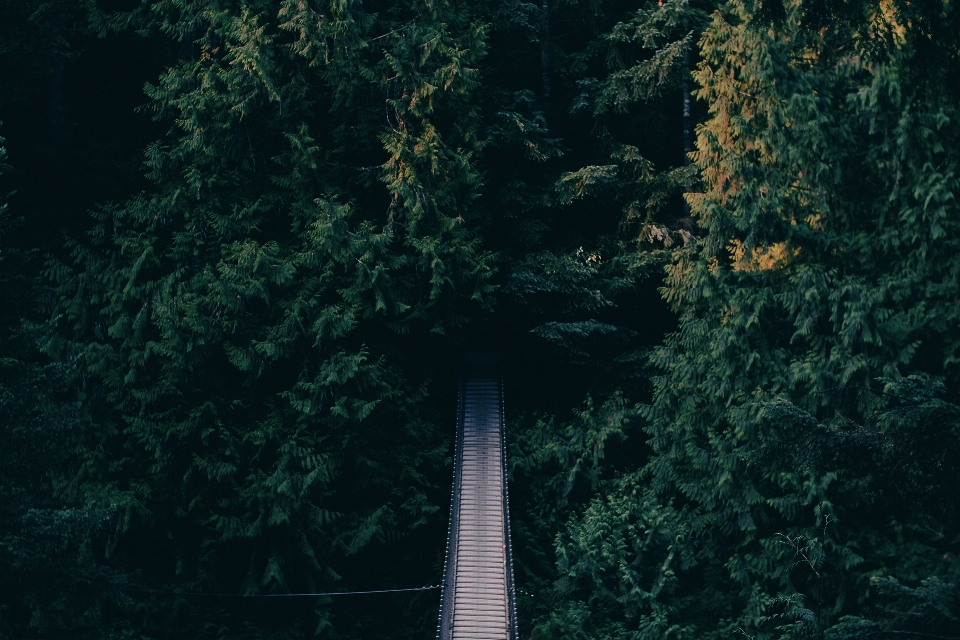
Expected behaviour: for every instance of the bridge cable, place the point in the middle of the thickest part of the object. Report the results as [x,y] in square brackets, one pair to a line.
[284,595]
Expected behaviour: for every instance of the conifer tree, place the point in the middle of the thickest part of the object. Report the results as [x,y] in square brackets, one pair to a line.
[313,201]
[622,184]
[343,183]
[826,259]
[590,291]
[50,581]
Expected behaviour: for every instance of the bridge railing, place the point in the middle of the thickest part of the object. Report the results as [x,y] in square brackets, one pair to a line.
[513,628]
[445,622]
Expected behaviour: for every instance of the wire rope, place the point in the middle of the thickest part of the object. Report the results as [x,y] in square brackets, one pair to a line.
[286,595]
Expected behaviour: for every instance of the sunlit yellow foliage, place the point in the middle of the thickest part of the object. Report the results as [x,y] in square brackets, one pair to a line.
[765,258]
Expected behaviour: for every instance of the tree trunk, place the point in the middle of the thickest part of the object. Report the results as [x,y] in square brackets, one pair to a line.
[685,90]
[58,99]
[545,56]
[58,111]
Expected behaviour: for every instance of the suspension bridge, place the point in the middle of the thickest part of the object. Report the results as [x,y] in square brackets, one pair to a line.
[478,599]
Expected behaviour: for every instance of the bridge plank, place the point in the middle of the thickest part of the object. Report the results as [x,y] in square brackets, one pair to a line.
[478,600]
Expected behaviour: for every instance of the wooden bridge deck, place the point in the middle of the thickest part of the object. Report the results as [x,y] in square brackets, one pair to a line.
[478,595]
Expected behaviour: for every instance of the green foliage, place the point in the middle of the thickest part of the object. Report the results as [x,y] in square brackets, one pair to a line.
[555,467]
[234,393]
[236,325]
[646,57]
[51,582]
[36,36]
[825,258]
[664,35]
[879,560]
[590,294]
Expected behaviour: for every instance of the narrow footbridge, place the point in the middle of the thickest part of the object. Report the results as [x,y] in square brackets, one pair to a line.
[479,599]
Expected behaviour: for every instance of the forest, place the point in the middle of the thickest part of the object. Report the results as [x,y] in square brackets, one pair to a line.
[244,245]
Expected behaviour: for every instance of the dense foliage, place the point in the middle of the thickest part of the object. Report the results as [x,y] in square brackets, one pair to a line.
[716,245]
[825,258]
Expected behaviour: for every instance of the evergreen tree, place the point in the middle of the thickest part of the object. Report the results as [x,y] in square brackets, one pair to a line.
[590,291]
[238,324]
[50,581]
[234,396]
[826,258]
